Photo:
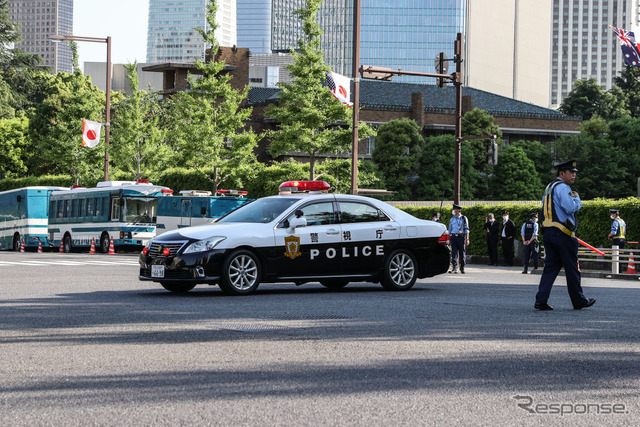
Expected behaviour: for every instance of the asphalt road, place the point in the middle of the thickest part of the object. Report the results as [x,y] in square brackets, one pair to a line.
[83,342]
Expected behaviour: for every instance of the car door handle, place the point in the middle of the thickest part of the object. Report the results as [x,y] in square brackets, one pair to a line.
[391,228]
[332,231]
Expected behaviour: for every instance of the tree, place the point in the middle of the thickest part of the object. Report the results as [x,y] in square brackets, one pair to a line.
[13,144]
[309,117]
[399,147]
[205,124]
[628,93]
[516,177]
[436,175]
[587,99]
[138,146]
[540,155]
[55,127]
[477,123]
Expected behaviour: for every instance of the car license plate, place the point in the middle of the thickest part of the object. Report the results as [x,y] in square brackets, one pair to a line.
[157,271]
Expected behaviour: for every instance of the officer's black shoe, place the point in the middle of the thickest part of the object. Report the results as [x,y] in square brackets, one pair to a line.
[542,307]
[462,270]
[586,303]
[524,271]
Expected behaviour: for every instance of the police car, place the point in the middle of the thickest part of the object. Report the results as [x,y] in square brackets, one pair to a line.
[301,235]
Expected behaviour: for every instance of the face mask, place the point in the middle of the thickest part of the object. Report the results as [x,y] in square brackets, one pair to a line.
[535,219]
[505,218]
[613,217]
[453,212]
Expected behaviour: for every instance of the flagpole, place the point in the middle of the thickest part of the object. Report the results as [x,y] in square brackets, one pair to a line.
[356,96]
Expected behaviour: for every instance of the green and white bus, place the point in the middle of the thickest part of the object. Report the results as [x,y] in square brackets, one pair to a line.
[24,214]
[124,211]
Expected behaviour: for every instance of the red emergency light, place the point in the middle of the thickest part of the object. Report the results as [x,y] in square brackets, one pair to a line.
[232,192]
[166,191]
[299,186]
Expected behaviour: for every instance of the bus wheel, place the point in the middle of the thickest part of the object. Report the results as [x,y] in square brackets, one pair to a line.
[104,243]
[67,245]
[16,242]
[178,288]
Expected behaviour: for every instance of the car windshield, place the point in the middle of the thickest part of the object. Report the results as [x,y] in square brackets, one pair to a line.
[261,210]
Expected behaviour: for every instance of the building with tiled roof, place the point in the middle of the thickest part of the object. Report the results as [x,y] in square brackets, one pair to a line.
[434,108]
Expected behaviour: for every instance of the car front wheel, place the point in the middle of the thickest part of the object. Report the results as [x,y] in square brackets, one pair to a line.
[241,273]
[400,271]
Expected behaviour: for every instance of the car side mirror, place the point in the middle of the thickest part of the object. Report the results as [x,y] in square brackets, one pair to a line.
[298,222]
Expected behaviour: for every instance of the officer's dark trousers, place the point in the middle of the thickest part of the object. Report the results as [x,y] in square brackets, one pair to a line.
[619,242]
[530,251]
[560,250]
[492,244]
[458,251]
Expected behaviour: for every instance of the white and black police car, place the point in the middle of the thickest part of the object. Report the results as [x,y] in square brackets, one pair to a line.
[301,235]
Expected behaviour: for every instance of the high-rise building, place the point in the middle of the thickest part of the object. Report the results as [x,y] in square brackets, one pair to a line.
[583,45]
[172,36]
[253,19]
[38,20]
[406,34]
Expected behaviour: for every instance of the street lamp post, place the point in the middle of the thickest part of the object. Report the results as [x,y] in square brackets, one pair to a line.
[57,39]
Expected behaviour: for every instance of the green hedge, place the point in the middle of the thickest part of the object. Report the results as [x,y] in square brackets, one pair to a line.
[593,219]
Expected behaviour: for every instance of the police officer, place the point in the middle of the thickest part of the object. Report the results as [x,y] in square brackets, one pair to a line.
[459,238]
[618,229]
[559,207]
[529,232]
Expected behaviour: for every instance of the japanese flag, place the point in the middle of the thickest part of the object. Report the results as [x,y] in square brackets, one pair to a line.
[340,87]
[90,133]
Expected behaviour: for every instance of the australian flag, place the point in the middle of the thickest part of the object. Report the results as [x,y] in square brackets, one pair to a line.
[629,47]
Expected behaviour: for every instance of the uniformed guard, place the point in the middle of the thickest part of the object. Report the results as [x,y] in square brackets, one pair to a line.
[559,207]
[618,229]
[529,232]
[459,238]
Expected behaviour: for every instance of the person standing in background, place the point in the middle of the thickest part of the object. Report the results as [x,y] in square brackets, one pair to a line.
[493,232]
[508,233]
[529,232]
[618,229]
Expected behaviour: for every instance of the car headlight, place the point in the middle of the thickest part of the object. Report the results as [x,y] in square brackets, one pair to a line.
[203,245]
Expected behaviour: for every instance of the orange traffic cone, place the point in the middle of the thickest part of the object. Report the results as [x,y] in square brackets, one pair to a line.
[21,245]
[631,267]
[61,250]
[111,249]
[39,246]
[93,246]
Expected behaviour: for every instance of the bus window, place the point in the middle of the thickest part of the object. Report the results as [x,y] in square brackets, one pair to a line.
[67,208]
[89,207]
[74,208]
[115,209]
[98,206]
[81,203]
[140,210]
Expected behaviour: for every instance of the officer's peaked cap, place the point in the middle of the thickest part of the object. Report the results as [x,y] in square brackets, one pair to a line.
[568,165]
[615,211]
[456,206]
[532,214]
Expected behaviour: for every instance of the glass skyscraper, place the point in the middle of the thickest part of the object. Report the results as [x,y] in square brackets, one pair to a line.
[171,36]
[406,34]
[253,19]
[40,20]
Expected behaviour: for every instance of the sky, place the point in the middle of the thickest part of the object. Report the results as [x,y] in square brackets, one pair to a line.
[124,20]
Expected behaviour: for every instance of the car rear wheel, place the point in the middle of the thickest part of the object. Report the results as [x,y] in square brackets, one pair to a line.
[241,273]
[178,288]
[334,283]
[400,271]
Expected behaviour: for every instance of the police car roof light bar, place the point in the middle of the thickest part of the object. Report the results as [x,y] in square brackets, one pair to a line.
[300,186]
[167,191]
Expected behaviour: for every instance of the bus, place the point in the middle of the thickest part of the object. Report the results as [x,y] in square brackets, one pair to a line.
[124,211]
[24,214]
[196,207]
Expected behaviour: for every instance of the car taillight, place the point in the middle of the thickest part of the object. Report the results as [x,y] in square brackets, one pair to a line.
[145,251]
[444,239]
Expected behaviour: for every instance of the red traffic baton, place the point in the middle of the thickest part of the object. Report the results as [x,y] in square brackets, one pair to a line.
[585,244]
